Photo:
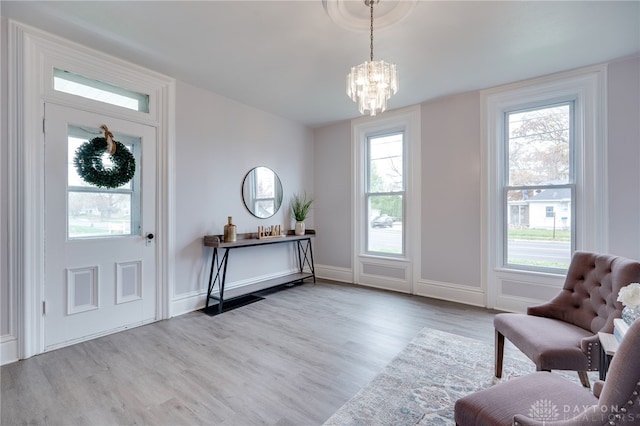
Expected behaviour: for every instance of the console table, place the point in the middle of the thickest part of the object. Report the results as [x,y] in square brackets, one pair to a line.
[219,261]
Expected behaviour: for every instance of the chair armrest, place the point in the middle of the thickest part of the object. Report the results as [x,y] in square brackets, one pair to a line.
[548,310]
[591,348]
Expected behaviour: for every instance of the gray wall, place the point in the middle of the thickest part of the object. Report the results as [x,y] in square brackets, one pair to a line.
[333,210]
[451,188]
[217,142]
[451,161]
[624,157]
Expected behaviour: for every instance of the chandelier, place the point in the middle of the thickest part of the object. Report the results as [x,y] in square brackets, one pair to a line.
[372,83]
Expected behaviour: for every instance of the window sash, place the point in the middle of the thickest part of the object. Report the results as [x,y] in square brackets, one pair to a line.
[395,189]
[568,183]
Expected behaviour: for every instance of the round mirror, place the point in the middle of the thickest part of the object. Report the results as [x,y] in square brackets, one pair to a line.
[262,192]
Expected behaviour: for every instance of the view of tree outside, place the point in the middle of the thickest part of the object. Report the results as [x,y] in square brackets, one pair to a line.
[385,193]
[93,211]
[540,187]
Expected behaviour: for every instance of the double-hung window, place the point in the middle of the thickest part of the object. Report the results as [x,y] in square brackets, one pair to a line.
[546,170]
[385,193]
[539,187]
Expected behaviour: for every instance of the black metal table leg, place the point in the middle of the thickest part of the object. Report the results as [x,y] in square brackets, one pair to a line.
[225,260]
[218,266]
[305,257]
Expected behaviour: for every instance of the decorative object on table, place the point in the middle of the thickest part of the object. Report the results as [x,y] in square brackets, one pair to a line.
[229,231]
[372,83]
[88,161]
[300,206]
[274,231]
[630,298]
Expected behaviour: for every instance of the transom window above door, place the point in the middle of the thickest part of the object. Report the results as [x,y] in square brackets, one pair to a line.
[76,84]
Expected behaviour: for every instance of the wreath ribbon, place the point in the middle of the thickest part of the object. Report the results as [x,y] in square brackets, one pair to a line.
[111,147]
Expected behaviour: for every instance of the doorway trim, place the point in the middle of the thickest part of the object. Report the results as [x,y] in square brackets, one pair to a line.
[32,55]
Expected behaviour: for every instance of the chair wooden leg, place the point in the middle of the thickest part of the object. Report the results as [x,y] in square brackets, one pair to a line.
[499,353]
[584,379]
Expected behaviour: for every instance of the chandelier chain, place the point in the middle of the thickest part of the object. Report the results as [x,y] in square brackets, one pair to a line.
[371,7]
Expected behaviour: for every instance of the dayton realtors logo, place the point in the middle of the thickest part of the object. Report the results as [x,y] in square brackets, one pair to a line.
[544,410]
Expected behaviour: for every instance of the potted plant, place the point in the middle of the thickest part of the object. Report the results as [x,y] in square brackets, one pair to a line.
[300,205]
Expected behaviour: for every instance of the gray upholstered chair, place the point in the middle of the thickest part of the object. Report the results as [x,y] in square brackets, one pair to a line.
[563,333]
[547,399]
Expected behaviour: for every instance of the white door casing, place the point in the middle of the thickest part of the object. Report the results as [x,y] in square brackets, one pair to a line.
[33,54]
[96,285]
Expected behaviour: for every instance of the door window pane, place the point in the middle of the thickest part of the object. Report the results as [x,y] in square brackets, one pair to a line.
[101,212]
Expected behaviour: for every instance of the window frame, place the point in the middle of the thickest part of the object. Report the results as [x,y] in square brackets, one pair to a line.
[396,273]
[512,289]
[507,186]
[368,193]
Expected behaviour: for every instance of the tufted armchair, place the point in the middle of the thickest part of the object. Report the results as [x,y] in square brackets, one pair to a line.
[563,333]
[545,399]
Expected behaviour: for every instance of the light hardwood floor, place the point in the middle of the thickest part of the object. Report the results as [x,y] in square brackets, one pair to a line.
[291,359]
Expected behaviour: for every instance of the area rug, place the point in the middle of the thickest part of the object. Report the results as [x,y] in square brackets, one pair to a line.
[423,382]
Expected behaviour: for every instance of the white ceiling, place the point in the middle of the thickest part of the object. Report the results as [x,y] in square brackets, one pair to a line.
[291,59]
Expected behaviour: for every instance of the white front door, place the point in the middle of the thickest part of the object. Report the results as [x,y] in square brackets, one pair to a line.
[100,251]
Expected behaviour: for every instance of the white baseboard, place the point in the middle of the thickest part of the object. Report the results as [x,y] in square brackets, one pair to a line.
[433,289]
[8,349]
[193,301]
[452,292]
[189,302]
[333,273]
[515,304]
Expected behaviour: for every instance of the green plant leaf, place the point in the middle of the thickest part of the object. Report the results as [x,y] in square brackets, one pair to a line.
[300,205]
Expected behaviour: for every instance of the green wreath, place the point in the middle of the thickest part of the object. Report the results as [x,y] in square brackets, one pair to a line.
[88,163]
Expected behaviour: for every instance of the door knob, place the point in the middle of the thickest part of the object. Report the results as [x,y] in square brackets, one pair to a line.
[149,236]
